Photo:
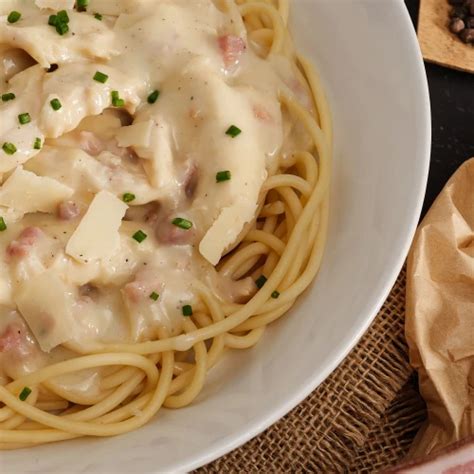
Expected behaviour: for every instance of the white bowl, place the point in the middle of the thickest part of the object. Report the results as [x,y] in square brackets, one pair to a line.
[368,56]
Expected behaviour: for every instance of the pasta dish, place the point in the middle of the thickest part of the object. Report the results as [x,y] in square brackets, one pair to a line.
[164,170]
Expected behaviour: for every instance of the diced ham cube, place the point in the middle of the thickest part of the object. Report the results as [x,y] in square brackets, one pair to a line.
[68,210]
[90,143]
[142,287]
[190,181]
[169,234]
[11,338]
[232,48]
[261,113]
[21,246]
[16,340]
[31,235]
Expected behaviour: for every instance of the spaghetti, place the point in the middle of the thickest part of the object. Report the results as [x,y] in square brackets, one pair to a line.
[284,246]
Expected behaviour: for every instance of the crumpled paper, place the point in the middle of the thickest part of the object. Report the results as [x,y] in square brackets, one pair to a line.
[440,314]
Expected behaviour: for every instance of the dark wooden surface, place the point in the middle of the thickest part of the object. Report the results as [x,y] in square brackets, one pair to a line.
[452,103]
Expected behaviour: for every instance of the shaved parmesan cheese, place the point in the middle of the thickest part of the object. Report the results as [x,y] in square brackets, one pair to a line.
[45,303]
[138,134]
[55,4]
[26,192]
[97,236]
[160,171]
[225,230]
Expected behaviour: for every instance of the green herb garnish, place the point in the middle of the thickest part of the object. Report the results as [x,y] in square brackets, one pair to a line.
[9,148]
[24,118]
[37,144]
[261,280]
[233,131]
[82,5]
[3,225]
[153,97]
[116,100]
[182,223]
[100,77]
[62,17]
[25,393]
[13,16]
[140,236]
[222,176]
[154,296]
[8,96]
[187,310]
[128,197]
[275,295]
[56,104]
[62,28]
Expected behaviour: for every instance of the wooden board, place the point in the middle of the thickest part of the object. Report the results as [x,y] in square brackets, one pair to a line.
[438,44]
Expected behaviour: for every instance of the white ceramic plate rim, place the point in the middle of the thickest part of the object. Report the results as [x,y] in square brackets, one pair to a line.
[314,380]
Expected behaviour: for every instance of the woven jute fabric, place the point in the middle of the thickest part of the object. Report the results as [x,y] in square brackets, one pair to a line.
[361,419]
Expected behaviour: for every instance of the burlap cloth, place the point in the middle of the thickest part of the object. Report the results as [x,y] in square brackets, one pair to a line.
[361,419]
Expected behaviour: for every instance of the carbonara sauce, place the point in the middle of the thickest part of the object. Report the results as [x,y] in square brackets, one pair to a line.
[153,125]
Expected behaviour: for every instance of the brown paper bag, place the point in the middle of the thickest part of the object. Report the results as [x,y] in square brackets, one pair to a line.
[440,314]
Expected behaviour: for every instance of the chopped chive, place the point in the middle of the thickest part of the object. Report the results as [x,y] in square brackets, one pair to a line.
[233,131]
[25,393]
[128,197]
[187,310]
[116,100]
[62,28]
[100,77]
[56,104]
[37,143]
[24,118]
[8,96]
[222,176]
[261,280]
[140,236]
[82,5]
[9,148]
[62,16]
[3,225]
[98,16]
[52,20]
[182,223]
[13,17]
[275,295]
[154,296]
[153,97]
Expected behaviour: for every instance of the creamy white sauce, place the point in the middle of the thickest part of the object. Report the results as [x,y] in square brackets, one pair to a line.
[167,154]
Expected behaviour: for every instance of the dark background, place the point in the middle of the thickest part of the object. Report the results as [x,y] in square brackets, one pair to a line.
[452,104]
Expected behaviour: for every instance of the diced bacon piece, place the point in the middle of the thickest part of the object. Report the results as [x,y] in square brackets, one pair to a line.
[190,181]
[169,234]
[21,246]
[11,338]
[68,210]
[16,339]
[31,235]
[90,143]
[142,287]
[16,249]
[232,48]
[261,113]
